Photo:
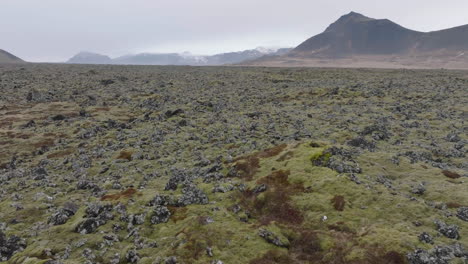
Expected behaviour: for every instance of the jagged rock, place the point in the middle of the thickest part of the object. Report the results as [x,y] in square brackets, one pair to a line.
[382,179]
[132,256]
[209,252]
[462,213]
[39,174]
[178,176]
[354,178]
[378,131]
[419,189]
[160,215]
[338,159]
[136,219]
[171,260]
[63,214]
[192,195]
[360,142]
[453,137]
[160,200]
[260,188]
[58,117]
[10,246]
[450,231]
[99,210]
[171,113]
[438,255]
[88,254]
[426,238]
[271,238]
[85,185]
[90,225]
[97,215]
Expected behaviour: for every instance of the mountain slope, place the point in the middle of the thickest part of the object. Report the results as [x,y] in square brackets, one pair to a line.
[355,40]
[89,58]
[6,57]
[357,34]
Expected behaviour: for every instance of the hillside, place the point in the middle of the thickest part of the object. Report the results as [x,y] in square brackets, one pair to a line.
[6,57]
[355,40]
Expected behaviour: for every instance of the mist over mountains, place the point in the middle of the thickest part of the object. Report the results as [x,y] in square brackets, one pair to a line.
[176,58]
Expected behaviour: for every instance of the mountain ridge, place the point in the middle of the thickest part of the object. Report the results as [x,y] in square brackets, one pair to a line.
[175,58]
[355,40]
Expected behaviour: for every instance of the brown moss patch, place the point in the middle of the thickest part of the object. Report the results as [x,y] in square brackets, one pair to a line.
[275,204]
[178,213]
[127,155]
[47,142]
[338,202]
[391,257]
[453,205]
[101,109]
[307,247]
[450,174]
[61,154]
[247,166]
[114,197]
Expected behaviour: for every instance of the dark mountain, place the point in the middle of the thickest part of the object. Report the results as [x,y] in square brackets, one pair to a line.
[175,58]
[355,40]
[6,57]
[90,58]
[357,34]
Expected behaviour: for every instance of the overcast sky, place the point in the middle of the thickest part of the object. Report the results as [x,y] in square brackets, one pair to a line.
[54,30]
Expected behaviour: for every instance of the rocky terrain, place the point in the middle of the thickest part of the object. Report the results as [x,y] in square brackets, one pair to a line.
[146,164]
[355,40]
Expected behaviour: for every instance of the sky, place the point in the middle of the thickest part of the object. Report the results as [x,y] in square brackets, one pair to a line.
[55,30]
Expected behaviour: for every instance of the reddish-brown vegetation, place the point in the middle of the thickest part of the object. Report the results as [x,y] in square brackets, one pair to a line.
[247,166]
[114,197]
[125,155]
[61,154]
[451,175]
[338,202]
[275,204]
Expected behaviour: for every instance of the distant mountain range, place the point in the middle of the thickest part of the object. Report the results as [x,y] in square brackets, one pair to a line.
[355,40]
[6,57]
[176,58]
